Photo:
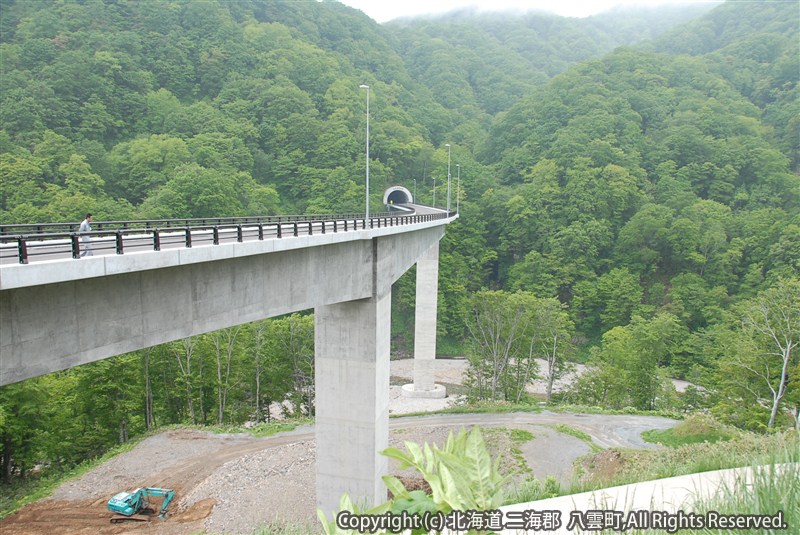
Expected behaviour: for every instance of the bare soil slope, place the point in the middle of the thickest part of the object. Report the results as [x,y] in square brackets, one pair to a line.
[181,460]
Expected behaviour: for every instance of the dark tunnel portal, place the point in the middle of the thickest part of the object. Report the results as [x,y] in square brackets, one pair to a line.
[398,197]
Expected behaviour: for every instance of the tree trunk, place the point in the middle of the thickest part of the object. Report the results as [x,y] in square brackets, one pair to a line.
[149,416]
[224,377]
[6,459]
[186,371]
[552,363]
[528,367]
[258,395]
[777,397]
[123,431]
[202,392]
[220,386]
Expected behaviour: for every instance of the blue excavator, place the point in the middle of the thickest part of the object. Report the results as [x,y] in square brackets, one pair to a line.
[137,502]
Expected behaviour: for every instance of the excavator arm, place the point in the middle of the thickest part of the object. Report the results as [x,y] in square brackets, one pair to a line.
[167,494]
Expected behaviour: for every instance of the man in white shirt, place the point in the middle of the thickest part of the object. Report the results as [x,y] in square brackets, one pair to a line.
[86,244]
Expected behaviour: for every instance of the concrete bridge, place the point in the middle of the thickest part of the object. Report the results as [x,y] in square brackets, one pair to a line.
[61,313]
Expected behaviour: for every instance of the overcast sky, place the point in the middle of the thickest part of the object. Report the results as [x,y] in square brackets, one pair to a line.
[386,10]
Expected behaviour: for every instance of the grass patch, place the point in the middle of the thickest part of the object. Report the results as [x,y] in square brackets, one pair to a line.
[593,409]
[504,444]
[518,437]
[695,429]
[521,435]
[772,489]
[532,490]
[449,347]
[633,466]
[480,407]
[577,433]
[263,429]
[278,527]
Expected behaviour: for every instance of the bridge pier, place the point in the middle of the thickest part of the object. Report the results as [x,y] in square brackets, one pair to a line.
[351,342]
[425,328]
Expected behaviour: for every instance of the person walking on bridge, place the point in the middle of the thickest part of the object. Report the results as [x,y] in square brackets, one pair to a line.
[85,228]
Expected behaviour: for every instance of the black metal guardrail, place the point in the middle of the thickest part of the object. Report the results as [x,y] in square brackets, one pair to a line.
[55,239]
[43,228]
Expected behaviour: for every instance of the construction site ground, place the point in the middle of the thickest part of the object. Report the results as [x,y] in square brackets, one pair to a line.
[236,483]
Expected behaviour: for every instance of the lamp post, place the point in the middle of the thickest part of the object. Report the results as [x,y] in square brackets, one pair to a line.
[448,177]
[364,86]
[458,187]
[415,190]
[434,192]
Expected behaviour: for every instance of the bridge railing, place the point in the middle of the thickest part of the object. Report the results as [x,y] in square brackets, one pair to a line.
[43,228]
[57,240]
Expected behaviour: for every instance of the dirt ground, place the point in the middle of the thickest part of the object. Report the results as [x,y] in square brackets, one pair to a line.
[236,483]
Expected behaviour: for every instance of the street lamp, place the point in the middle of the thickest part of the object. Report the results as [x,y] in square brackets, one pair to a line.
[364,86]
[458,188]
[434,192]
[415,190]
[448,177]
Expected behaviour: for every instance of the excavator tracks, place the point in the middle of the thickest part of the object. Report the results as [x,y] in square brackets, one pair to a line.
[135,518]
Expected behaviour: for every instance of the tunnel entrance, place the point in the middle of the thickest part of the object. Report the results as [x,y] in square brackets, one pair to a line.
[397,195]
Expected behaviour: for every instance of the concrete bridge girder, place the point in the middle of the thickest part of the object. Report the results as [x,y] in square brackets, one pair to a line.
[57,326]
[98,307]
[76,319]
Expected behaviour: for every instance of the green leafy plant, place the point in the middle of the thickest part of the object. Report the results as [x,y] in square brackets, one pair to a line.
[346,504]
[461,475]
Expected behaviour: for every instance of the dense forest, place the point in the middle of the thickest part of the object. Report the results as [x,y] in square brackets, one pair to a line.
[630,196]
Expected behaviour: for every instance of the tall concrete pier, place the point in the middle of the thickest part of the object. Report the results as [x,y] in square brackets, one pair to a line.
[352,403]
[425,328]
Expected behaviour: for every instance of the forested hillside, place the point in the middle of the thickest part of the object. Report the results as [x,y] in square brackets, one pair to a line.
[654,194]
[629,186]
[487,61]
